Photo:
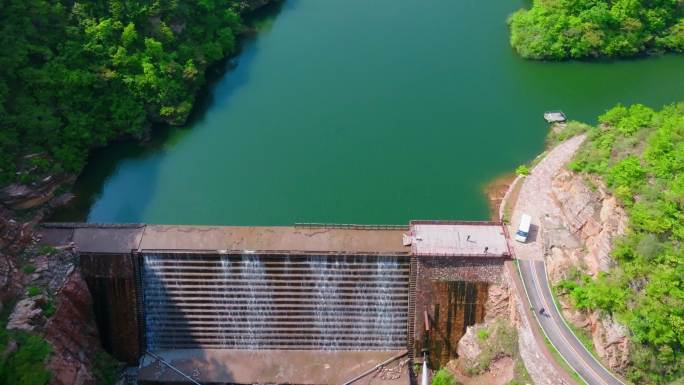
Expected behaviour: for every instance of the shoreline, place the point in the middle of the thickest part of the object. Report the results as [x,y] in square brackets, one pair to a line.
[496,192]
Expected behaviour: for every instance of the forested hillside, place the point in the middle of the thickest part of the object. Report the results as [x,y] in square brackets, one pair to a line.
[639,153]
[78,74]
[563,29]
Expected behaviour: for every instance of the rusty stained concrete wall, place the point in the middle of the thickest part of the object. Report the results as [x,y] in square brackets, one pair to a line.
[453,291]
[111,281]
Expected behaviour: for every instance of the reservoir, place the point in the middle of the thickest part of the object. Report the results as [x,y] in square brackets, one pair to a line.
[351,111]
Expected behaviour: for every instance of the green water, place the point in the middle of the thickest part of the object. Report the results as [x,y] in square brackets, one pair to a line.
[352,111]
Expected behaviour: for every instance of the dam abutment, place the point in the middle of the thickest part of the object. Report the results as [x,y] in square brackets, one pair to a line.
[196,295]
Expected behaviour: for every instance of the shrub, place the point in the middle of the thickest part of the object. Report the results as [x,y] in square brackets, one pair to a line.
[28,269]
[33,291]
[522,170]
[443,377]
[482,334]
[49,308]
[46,249]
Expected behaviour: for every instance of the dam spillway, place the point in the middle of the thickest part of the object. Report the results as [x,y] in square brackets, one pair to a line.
[304,304]
[319,302]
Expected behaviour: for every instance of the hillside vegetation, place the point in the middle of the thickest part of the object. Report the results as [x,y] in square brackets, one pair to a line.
[639,153]
[563,29]
[78,74]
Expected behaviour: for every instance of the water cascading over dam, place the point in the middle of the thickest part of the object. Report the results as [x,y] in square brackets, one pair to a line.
[250,301]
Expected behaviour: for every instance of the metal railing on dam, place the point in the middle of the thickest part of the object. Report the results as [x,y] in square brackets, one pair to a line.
[251,301]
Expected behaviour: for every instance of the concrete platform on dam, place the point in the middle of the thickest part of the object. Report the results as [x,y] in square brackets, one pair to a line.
[458,239]
[300,367]
[113,239]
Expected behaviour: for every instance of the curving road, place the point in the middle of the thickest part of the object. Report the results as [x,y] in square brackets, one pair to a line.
[533,274]
[534,199]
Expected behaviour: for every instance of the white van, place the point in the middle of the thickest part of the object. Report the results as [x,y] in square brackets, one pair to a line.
[523,228]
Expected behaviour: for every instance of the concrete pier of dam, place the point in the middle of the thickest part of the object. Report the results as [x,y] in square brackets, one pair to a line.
[243,305]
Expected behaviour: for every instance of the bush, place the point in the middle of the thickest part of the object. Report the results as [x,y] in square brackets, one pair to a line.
[482,334]
[522,170]
[443,377]
[33,291]
[49,308]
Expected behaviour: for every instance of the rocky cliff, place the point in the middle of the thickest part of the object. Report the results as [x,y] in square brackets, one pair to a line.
[582,238]
[50,300]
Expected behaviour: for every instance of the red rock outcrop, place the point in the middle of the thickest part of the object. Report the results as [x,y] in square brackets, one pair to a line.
[593,215]
[582,239]
[73,334]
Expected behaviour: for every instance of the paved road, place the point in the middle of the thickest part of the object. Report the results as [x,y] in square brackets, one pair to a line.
[538,291]
[535,199]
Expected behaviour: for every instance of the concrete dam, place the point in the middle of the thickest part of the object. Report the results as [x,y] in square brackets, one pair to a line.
[304,304]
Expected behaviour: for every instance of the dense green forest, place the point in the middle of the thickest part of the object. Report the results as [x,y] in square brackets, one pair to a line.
[563,29]
[639,153]
[78,74]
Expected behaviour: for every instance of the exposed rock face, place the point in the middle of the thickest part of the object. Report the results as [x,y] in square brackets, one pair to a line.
[595,217]
[253,5]
[19,196]
[14,236]
[610,340]
[499,303]
[73,335]
[582,238]
[468,348]
[27,314]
